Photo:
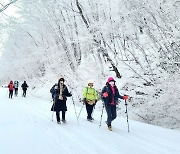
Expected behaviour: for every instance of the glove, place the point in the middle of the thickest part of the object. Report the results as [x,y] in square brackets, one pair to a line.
[84,100]
[125,97]
[105,94]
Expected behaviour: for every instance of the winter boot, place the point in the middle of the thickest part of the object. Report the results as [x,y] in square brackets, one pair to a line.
[89,119]
[58,122]
[63,120]
[110,128]
[92,118]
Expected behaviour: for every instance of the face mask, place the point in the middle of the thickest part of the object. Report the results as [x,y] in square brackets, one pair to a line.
[90,84]
[61,82]
[111,83]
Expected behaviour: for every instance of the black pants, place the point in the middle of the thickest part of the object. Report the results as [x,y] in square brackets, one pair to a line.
[89,109]
[111,113]
[58,117]
[24,93]
[10,93]
[16,91]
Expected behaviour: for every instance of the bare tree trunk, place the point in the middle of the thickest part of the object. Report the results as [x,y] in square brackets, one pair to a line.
[98,42]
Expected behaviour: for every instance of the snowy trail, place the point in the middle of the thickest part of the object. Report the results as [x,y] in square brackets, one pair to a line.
[26,127]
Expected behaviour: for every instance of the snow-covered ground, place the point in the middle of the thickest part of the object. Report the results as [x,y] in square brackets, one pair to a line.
[26,126]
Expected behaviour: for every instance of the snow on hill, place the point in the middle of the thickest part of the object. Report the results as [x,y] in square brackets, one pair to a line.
[26,126]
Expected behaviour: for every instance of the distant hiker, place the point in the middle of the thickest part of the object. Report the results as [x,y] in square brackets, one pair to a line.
[53,90]
[11,88]
[16,85]
[24,88]
[89,99]
[110,95]
[60,98]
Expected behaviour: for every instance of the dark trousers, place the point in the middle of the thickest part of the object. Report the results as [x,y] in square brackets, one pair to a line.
[58,116]
[24,93]
[16,91]
[10,93]
[111,113]
[89,109]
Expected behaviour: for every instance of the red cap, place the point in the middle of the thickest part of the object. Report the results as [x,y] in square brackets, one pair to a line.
[111,79]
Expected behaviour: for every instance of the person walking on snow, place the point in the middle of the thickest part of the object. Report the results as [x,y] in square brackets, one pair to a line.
[24,88]
[60,98]
[110,95]
[89,99]
[11,88]
[16,85]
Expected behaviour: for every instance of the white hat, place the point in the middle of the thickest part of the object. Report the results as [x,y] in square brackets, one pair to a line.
[90,81]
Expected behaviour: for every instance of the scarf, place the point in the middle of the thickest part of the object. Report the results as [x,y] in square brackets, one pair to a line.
[113,95]
[60,91]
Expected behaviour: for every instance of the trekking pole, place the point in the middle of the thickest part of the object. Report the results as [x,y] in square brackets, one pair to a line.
[80,111]
[127,115]
[75,109]
[74,104]
[101,116]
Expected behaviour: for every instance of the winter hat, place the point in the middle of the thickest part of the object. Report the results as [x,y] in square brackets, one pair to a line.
[111,79]
[90,81]
[11,81]
[61,79]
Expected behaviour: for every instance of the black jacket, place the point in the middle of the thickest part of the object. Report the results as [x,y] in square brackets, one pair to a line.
[24,86]
[108,99]
[60,105]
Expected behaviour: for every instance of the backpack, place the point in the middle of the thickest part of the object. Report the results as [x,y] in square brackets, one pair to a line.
[53,89]
[16,84]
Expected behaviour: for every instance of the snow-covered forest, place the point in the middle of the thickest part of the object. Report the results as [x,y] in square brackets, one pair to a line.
[135,41]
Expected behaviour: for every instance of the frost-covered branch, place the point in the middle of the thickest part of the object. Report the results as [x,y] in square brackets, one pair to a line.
[4,7]
[98,41]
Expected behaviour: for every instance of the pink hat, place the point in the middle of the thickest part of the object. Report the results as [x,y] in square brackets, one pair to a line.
[111,79]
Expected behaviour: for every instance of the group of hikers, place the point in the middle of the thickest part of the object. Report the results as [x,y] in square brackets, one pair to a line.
[109,95]
[14,87]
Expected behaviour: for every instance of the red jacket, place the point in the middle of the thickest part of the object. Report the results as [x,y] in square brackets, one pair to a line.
[11,86]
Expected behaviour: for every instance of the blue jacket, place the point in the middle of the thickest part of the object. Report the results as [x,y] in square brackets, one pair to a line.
[108,99]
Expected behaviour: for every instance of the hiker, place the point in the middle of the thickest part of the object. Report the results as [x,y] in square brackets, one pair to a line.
[11,88]
[110,95]
[53,90]
[16,85]
[60,98]
[24,88]
[89,99]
